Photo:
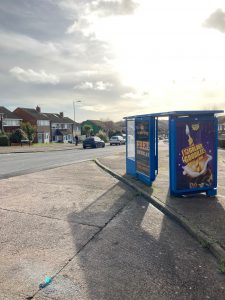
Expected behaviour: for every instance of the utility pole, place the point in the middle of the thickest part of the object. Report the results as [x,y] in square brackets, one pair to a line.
[74,113]
[1,122]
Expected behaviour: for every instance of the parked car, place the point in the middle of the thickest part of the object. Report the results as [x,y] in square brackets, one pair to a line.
[117,140]
[93,142]
[124,136]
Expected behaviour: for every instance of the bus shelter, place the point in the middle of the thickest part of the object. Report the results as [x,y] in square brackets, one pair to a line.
[193,141]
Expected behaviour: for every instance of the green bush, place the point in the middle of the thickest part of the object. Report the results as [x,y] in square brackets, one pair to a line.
[29,130]
[17,136]
[4,140]
[221,143]
[114,132]
[103,136]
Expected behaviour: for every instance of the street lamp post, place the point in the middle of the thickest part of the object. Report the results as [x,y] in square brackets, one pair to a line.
[1,122]
[74,113]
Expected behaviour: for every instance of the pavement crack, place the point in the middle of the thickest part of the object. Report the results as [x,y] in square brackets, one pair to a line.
[49,217]
[100,229]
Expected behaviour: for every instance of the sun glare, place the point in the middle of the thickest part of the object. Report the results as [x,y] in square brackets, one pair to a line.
[166,48]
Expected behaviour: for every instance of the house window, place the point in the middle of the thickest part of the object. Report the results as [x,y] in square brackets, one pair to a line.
[8,122]
[43,123]
[40,137]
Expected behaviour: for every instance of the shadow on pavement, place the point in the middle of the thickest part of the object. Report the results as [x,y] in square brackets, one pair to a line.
[138,254]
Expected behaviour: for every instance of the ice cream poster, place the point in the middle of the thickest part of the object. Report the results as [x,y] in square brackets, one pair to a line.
[142,147]
[195,153]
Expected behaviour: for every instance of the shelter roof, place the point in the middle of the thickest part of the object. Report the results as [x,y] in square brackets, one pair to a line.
[177,113]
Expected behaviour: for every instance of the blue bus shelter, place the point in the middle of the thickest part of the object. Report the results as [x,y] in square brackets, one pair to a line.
[193,141]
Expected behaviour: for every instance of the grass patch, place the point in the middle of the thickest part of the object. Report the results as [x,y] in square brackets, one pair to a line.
[205,244]
[222,266]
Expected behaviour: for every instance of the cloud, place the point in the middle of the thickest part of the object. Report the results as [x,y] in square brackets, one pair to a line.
[32,76]
[41,19]
[98,85]
[114,7]
[216,20]
[96,108]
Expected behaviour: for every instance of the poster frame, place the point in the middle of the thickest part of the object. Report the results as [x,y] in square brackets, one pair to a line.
[153,158]
[173,121]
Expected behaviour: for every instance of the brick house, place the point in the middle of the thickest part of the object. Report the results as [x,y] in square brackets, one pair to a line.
[9,121]
[221,125]
[63,129]
[37,119]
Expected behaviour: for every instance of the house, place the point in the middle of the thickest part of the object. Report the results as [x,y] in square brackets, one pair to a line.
[221,125]
[9,121]
[77,129]
[37,119]
[63,129]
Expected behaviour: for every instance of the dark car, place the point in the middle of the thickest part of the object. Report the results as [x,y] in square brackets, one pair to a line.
[93,142]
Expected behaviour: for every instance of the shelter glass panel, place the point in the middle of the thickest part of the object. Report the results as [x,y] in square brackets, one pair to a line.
[131,139]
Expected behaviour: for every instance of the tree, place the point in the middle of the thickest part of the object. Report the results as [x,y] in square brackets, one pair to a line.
[114,132]
[17,136]
[103,136]
[29,130]
[87,129]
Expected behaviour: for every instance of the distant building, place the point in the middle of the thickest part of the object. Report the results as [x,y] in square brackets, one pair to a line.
[50,127]
[63,129]
[37,119]
[221,125]
[9,121]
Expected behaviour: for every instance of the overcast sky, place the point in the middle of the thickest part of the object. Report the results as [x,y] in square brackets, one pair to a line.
[118,57]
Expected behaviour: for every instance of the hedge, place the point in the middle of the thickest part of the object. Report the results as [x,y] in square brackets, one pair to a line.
[221,143]
[4,140]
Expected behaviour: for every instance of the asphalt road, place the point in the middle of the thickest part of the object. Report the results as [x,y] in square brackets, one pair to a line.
[15,164]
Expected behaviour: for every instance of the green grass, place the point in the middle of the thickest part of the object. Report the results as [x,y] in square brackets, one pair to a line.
[49,144]
[222,266]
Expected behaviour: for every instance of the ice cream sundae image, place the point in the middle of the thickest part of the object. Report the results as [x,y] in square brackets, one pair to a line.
[196,162]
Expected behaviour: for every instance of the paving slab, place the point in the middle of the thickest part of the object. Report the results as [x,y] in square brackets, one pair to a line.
[77,190]
[33,247]
[140,254]
[11,296]
[47,217]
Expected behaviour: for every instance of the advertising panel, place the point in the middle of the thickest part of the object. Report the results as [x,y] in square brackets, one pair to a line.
[142,147]
[195,154]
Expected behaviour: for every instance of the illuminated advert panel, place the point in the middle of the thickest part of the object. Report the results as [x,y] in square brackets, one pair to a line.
[142,147]
[195,154]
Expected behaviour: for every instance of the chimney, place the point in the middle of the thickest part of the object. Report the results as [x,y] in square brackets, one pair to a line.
[38,109]
[61,114]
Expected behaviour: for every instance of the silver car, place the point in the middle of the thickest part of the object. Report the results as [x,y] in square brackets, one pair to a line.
[117,140]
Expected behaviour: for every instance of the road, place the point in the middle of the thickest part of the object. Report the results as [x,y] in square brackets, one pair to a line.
[15,164]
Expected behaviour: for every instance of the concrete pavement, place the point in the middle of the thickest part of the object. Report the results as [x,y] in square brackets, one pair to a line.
[205,216]
[98,239]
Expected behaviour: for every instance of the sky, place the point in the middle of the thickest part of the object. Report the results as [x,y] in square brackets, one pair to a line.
[112,58]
